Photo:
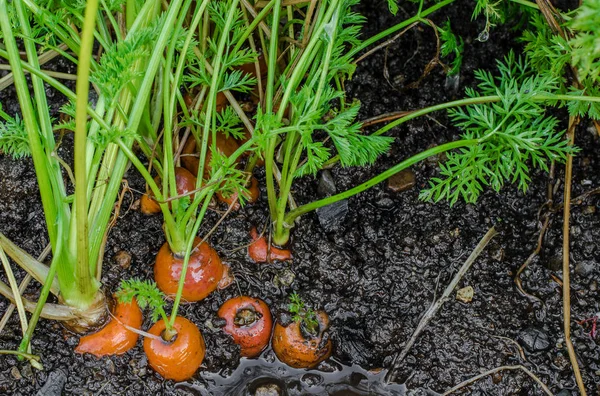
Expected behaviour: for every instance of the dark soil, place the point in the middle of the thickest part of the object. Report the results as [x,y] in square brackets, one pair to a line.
[375,273]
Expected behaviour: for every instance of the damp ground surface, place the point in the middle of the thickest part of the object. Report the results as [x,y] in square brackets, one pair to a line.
[375,268]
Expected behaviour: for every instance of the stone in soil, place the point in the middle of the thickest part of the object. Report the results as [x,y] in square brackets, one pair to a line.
[54,384]
[402,181]
[332,216]
[534,340]
[326,184]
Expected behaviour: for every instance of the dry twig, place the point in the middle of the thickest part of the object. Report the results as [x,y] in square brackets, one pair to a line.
[566,270]
[435,307]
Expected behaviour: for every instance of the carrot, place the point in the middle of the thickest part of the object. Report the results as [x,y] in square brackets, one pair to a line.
[204,271]
[178,358]
[260,252]
[248,322]
[189,157]
[148,205]
[114,338]
[185,182]
[294,349]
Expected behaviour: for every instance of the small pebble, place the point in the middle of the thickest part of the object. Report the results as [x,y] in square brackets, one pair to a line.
[465,294]
[497,378]
[123,259]
[54,384]
[326,184]
[16,374]
[332,216]
[402,181]
[534,340]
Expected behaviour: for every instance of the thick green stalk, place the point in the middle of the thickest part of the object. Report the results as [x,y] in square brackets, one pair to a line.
[86,285]
[291,163]
[270,151]
[214,86]
[135,116]
[292,215]
[186,259]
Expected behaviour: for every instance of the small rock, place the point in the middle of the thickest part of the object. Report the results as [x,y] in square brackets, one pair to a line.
[326,184]
[465,294]
[16,374]
[332,216]
[402,181]
[593,286]
[54,384]
[123,259]
[585,268]
[497,378]
[534,340]
[268,390]
[110,366]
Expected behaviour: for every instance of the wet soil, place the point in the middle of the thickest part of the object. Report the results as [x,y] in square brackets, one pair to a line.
[375,272]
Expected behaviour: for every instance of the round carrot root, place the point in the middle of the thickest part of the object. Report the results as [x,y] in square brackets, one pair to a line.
[179,358]
[185,182]
[190,158]
[295,350]
[248,322]
[148,205]
[260,251]
[114,338]
[204,272]
[251,196]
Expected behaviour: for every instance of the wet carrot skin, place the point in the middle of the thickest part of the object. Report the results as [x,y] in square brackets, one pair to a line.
[178,359]
[114,338]
[252,336]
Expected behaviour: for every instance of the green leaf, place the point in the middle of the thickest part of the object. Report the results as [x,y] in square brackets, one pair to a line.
[393,6]
[13,138]
[513,133]
[146,294]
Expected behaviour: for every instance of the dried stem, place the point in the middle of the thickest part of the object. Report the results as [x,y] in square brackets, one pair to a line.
[566,271]
[435,307]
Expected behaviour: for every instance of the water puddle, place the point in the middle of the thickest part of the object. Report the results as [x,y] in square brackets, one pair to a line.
[268,376]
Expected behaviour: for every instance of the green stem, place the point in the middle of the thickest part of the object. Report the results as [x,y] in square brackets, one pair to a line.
[86,285]
[431,109]
[292,215]
[400,26]
[270,151]
[186,259]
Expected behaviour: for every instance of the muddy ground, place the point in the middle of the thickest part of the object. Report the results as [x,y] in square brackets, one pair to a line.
[374,272]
